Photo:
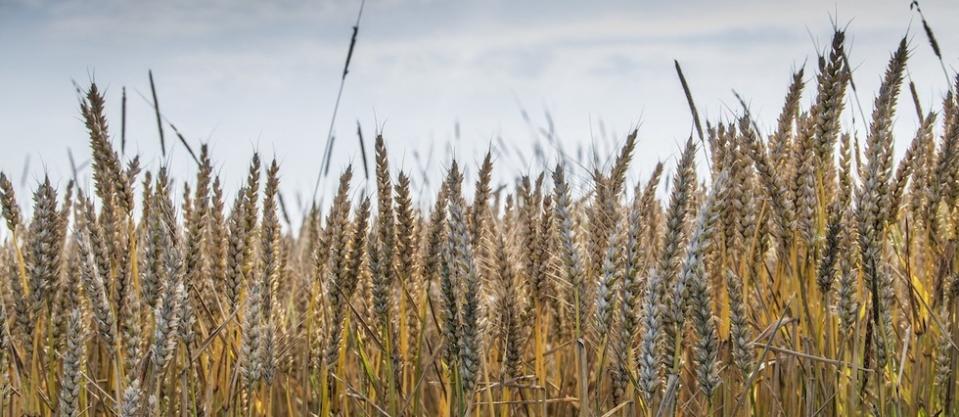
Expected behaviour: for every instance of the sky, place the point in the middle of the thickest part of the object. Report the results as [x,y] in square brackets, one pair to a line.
[439,79]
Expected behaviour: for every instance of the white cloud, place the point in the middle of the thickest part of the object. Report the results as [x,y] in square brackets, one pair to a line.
[264,74]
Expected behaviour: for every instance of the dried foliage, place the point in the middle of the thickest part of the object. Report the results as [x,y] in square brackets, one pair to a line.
[780,280]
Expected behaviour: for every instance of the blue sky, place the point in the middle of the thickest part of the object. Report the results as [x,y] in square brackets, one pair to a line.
[250,75]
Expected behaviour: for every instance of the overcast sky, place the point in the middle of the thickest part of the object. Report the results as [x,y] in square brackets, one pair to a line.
[262,75]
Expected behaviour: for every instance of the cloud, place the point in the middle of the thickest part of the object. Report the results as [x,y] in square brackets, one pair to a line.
[265,74]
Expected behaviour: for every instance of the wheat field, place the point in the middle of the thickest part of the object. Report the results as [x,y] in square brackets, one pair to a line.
[802,271]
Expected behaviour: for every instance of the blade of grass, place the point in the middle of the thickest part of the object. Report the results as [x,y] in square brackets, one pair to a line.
[156,110]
